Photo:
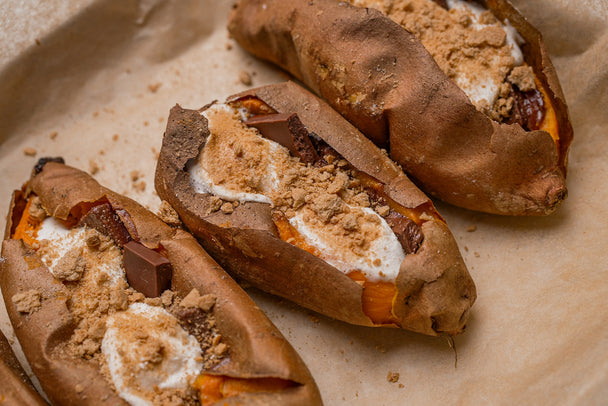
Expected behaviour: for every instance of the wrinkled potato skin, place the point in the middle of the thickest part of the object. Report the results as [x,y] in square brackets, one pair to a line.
[381,78]
[435,288]
[16,388]
[256,347]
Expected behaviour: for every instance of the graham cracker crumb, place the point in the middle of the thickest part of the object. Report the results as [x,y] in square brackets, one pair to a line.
[392,377]
[70,267]
[93,167]
[523,78]
[472,50]
[215,203]
[245,78]
[227,208]
[153,87]
[167,214]
[135,175]
[140,186]
[29,151]
[27,302]
[194,299]
[53,135]
[115,137]
[36,211]
[471,228]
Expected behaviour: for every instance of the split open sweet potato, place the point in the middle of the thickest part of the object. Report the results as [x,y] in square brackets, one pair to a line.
[339,182]
[81,325]
[382,79]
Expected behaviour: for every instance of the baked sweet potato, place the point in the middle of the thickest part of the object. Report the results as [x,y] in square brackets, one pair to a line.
[324,176]
[382,79]
[16,388]
[93,339]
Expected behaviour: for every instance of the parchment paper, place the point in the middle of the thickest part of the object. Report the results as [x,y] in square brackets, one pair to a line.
[93,81]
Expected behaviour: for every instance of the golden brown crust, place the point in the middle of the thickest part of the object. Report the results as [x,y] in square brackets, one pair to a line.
[16,388]
[247,245]
[379,76]
[259,351]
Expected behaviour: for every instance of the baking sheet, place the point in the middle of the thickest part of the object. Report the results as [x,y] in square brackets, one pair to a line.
[93,81]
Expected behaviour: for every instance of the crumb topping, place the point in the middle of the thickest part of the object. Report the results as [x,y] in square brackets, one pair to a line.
[90,266]
[326,201]
[27,302]
[471,46]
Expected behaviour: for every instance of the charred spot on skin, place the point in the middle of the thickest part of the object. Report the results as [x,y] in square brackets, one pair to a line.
[45,160]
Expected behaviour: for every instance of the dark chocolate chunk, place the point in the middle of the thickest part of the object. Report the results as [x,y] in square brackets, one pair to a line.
[104,219]
[287,130]
[43,161]
[407,231]
[442,3]
[528,109]
[147,271]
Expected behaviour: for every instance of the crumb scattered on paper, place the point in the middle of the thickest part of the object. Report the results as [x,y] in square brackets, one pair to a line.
[245,78]
[53,135]
[392,377]
[29,151]
[27,302]
[167,214]
[153,87]
[471,228]
[93,167]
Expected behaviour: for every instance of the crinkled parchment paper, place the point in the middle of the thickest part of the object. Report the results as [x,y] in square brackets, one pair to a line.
[93,81]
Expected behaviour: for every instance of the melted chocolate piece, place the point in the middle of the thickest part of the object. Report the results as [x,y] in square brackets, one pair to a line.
[287,130]
[105,220]
[407,231]
[147,271]
[43,161]
[442,3]
[193,320]
[528,109]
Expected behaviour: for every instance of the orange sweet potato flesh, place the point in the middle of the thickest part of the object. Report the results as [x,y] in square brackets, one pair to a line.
[434,290]
[381,78]
[213,388]
[256,349]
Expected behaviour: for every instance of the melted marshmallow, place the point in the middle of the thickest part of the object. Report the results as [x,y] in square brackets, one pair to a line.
[386,249]
[133,374]
[61,240]
[482,87]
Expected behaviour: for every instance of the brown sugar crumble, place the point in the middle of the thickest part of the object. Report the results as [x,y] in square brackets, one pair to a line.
[27,302]
[245,78]
[91,271]
[392,377]
[93,167]
[468,48]
[29,151]
[327,197]
[167,214]
[153,87]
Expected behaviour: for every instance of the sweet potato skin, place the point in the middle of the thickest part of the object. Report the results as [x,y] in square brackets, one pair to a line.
[379,77]
[16,388]
[256,347]
[247,245]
